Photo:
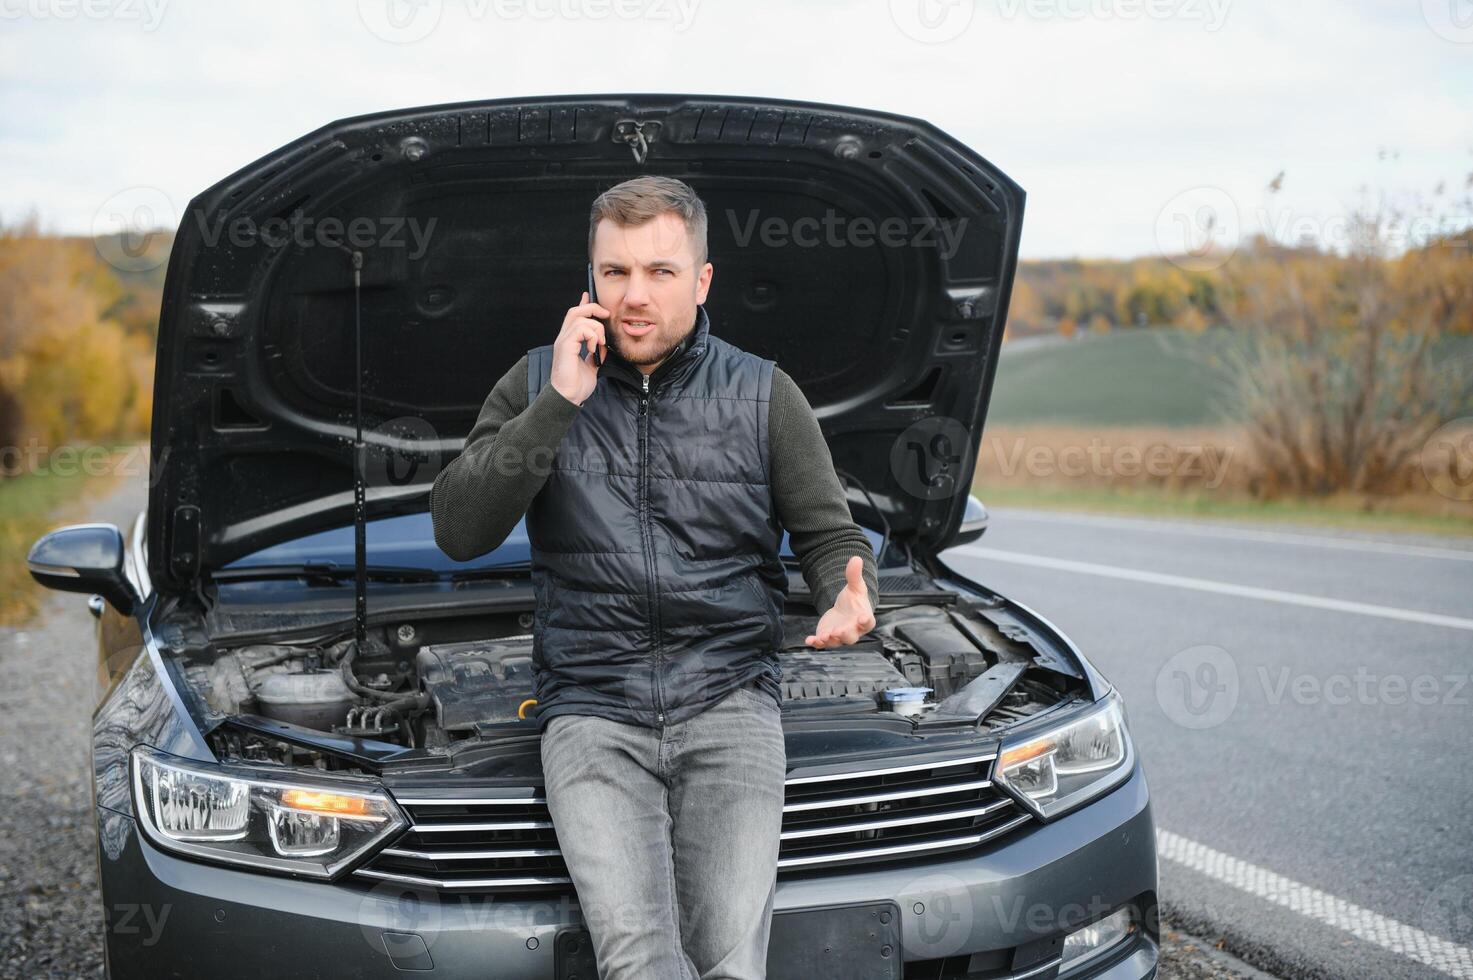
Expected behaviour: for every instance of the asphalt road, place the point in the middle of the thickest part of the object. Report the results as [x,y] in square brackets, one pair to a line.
[1302,704]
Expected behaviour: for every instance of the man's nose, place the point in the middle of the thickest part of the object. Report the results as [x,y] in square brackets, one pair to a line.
[637,292]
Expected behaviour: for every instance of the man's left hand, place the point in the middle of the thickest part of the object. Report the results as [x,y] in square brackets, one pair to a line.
[851,616]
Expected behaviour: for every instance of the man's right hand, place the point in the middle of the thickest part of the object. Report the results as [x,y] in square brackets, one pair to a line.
[572,376]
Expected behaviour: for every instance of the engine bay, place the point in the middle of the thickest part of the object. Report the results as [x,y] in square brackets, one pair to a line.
[935,657]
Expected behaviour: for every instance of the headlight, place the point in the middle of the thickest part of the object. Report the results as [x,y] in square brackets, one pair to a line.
[1055,771]
[299,823]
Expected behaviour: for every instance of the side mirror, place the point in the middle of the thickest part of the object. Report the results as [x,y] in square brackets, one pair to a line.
[84,558]
[974,522]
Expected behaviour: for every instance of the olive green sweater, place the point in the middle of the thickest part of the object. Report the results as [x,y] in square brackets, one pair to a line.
[474,505]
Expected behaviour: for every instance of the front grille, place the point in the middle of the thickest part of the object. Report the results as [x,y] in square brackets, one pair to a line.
[890,812]
[893,811]
[474,843]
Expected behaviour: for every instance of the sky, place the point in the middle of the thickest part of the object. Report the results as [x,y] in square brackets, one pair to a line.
[1136,127]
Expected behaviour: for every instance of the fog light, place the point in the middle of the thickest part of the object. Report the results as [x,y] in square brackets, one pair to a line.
[1098,938]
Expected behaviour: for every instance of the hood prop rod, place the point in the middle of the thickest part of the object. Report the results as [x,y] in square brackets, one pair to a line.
[360,519]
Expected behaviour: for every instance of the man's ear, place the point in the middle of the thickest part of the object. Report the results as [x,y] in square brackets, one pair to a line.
[703,282]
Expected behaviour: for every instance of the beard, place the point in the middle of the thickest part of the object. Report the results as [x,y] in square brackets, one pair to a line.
[656,346]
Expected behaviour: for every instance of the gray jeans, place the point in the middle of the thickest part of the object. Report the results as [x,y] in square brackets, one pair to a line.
[671,836]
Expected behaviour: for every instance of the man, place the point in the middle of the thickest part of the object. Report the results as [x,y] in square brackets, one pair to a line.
[674,467]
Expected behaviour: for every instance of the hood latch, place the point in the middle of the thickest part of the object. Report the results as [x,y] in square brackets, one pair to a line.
[639,136]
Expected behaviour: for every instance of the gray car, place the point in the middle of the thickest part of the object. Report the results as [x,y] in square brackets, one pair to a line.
[317,753]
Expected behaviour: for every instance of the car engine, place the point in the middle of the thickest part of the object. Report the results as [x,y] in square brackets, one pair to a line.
[418,685]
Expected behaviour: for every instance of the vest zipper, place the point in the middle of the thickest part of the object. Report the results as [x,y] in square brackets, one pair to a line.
[649,556]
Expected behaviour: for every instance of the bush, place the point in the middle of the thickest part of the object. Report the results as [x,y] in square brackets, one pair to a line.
[1343,370]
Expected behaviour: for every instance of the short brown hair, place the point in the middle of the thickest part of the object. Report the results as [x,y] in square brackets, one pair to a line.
[641,199]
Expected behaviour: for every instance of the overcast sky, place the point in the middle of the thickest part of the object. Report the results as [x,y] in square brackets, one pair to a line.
[1125,120]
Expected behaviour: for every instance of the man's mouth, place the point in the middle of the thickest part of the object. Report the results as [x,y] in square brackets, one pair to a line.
[635,327]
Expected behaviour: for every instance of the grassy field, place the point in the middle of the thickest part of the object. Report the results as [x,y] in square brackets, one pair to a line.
[1162,389]
[1126,377]
[1157,376]
[32,503]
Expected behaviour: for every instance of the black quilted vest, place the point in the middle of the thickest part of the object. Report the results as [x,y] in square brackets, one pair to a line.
[654,542]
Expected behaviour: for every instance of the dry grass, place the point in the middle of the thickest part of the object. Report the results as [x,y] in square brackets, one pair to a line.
[1209,470]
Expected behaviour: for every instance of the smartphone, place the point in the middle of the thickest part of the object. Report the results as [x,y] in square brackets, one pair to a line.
[583,345]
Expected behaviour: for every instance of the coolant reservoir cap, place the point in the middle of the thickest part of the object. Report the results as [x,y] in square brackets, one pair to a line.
[893,694]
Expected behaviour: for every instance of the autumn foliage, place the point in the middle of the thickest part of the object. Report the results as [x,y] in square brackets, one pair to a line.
[76,344]
[1341,364]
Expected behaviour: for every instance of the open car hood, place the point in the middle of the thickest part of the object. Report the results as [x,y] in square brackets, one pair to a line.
[869,254]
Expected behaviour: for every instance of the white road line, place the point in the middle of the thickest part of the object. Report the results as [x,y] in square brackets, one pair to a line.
[1222,588]
[1372,927]
[1245,534]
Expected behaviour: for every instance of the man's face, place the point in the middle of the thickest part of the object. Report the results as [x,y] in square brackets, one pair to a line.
[647,278]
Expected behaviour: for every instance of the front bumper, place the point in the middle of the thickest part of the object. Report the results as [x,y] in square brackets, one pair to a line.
[998,913]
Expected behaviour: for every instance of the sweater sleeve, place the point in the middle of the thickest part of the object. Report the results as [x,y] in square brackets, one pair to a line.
[480,495]
[810,498]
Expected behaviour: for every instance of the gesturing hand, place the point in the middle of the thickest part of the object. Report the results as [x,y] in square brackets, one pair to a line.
[850,617]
